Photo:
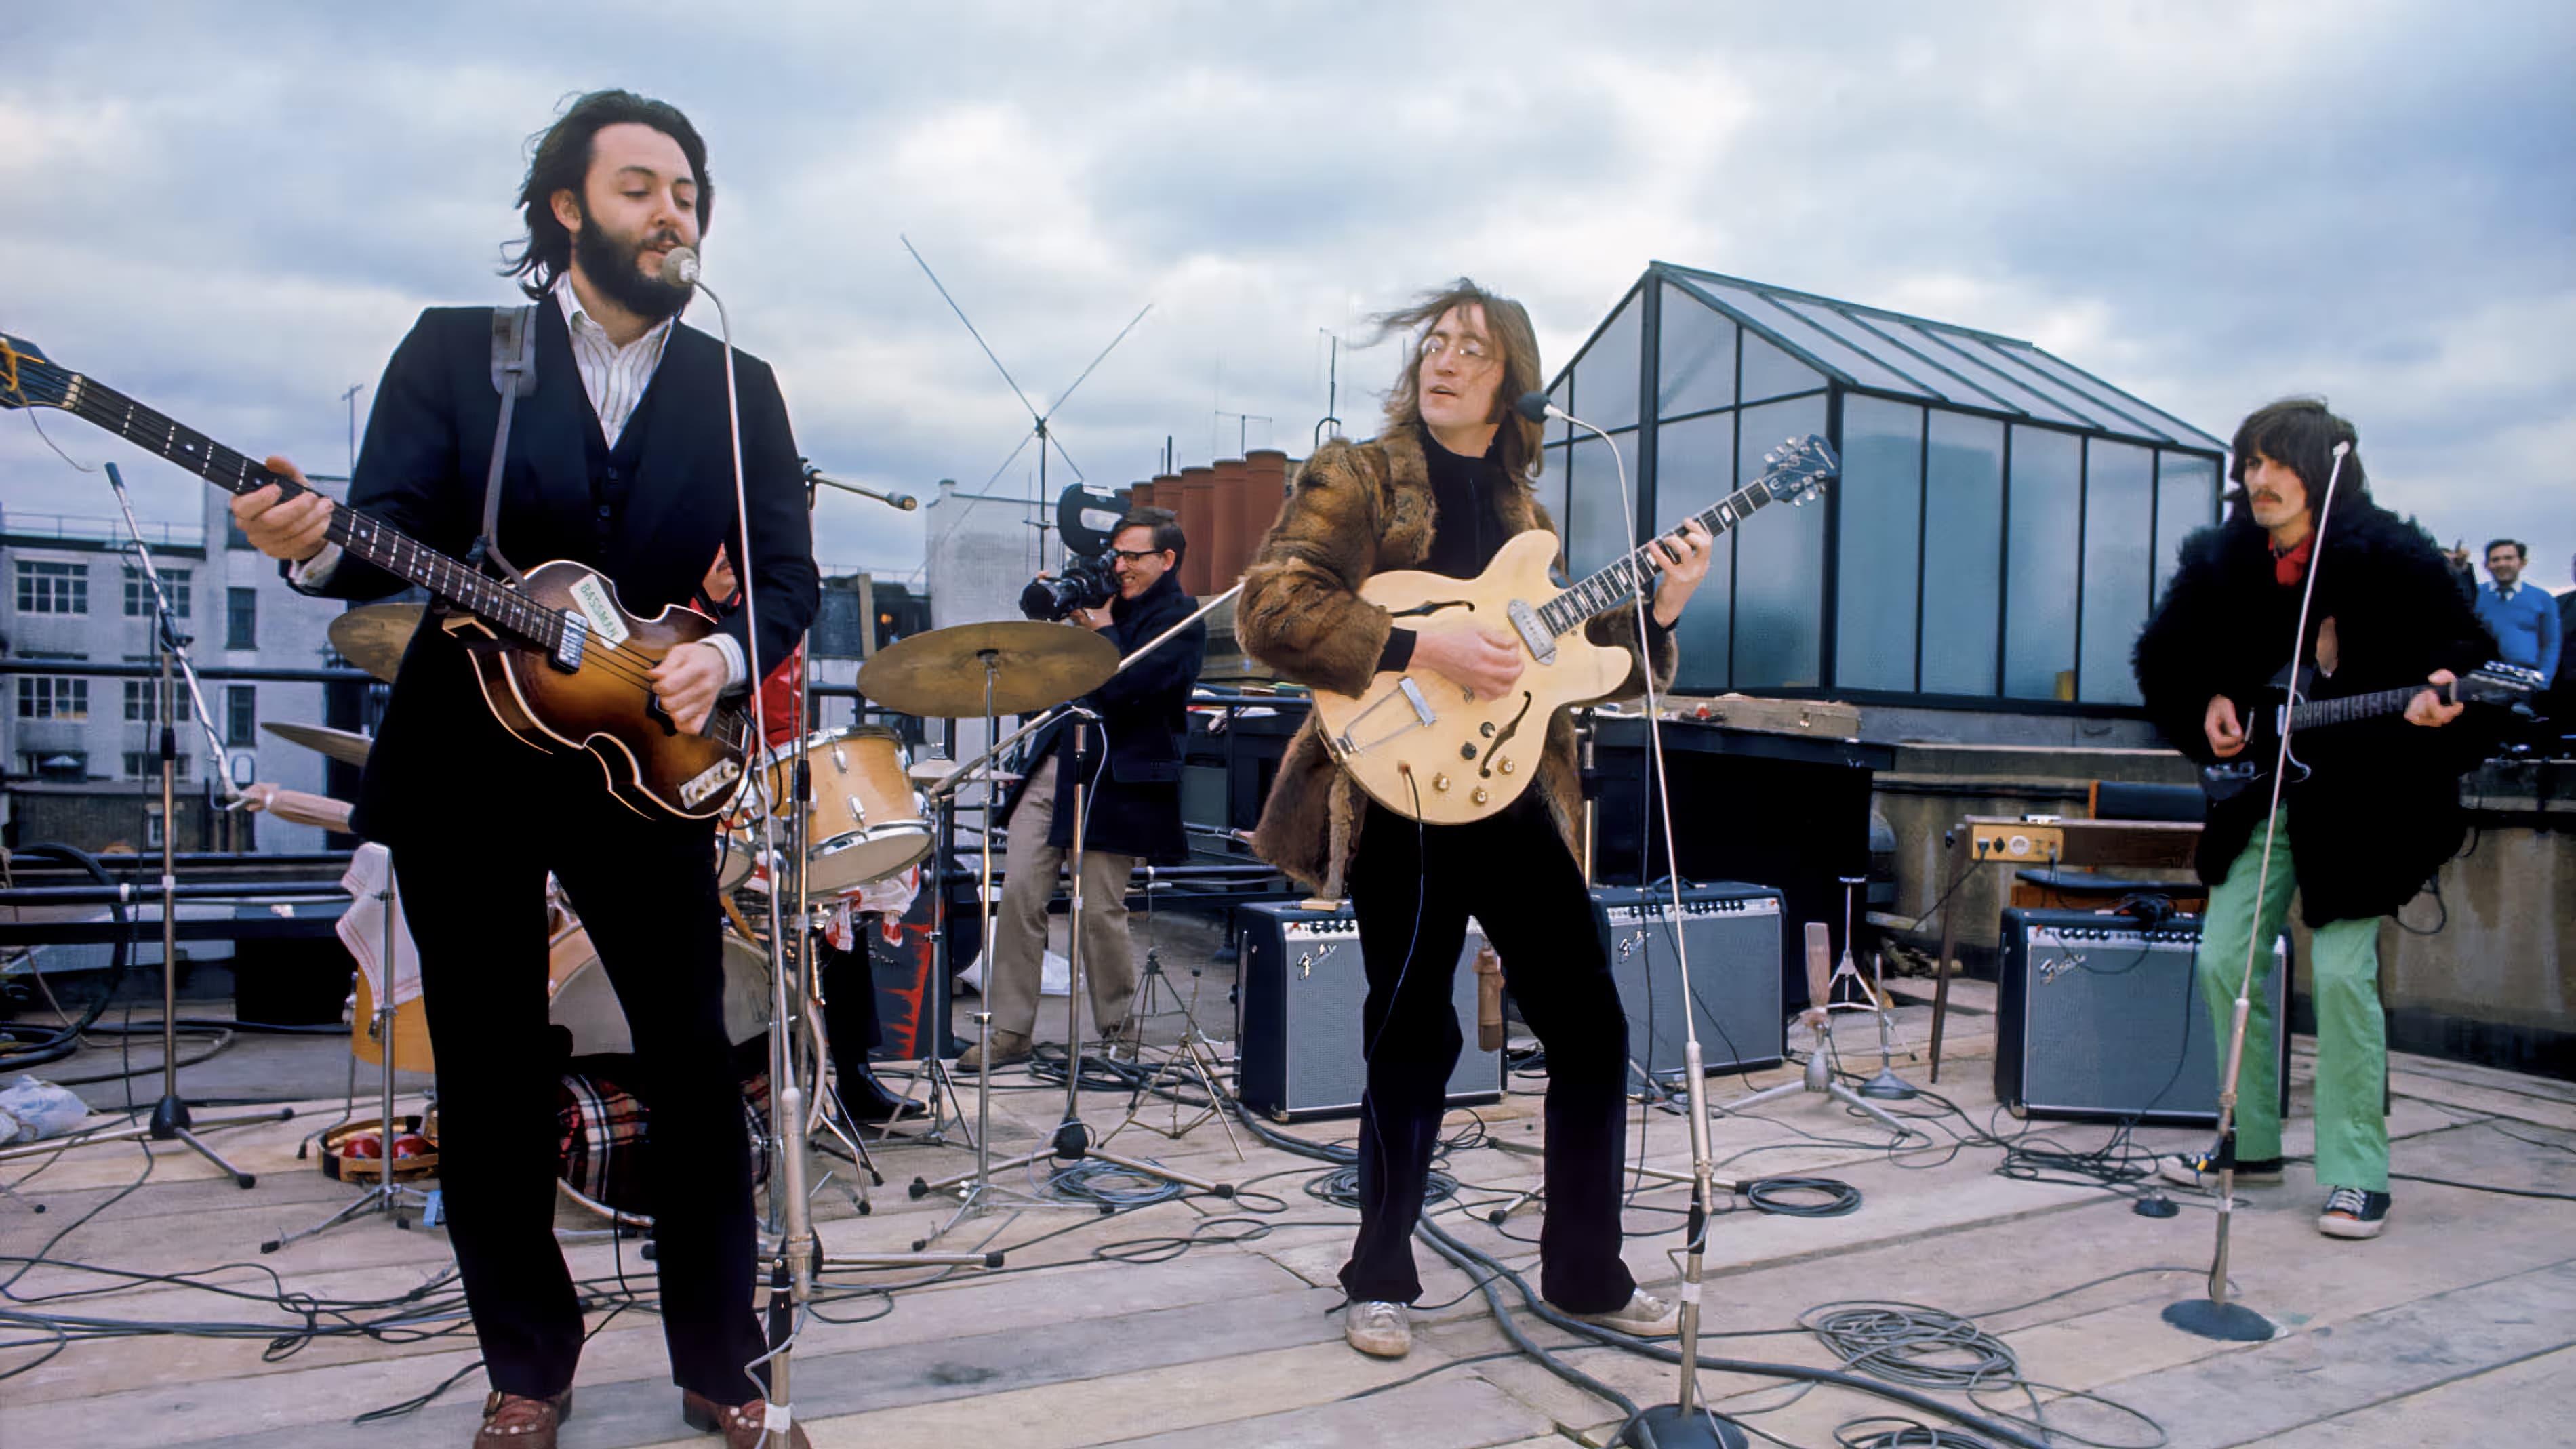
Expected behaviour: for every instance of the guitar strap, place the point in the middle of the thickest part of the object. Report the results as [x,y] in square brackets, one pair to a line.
[514,376]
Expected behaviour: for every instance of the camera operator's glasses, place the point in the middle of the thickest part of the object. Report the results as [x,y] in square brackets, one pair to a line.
[1136,555]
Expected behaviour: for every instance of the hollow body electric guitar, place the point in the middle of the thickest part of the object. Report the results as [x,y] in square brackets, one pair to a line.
[2288,709]
[1422,746]
[561,662]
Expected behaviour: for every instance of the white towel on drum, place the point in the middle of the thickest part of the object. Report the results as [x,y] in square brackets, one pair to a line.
[362,926]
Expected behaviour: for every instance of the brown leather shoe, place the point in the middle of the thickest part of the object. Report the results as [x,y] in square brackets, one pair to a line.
[743,1426]
[515,1421]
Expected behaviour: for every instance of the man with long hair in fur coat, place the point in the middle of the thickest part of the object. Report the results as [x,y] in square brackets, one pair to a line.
[1440,489]
[2378,815]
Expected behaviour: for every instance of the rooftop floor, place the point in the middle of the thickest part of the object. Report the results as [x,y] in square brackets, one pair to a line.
[1207,1322]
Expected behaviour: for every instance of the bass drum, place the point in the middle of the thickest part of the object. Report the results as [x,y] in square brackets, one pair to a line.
[581,1000]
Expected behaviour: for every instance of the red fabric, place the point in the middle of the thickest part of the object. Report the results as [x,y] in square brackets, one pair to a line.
[778,699]
[2289,568]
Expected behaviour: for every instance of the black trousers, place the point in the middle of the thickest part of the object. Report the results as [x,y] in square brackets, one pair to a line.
[1413,887]
[645,890]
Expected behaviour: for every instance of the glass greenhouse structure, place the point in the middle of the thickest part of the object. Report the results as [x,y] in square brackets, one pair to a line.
[2003,521]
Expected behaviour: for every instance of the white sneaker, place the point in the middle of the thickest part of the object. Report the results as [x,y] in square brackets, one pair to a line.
[1378,1329]
[1645,1316]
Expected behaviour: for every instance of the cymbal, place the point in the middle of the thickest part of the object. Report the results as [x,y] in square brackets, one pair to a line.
[373,636]
[941,674]
[347,747]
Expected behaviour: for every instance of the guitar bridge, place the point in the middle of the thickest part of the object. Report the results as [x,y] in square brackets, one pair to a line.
[570,641]
[1405,689]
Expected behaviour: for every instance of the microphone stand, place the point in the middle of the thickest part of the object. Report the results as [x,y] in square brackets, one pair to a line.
[2214,1317]
[171,1120]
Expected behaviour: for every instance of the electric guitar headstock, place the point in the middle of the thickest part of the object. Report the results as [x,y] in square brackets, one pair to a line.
[29,379]
[1799,468]
[2499,683]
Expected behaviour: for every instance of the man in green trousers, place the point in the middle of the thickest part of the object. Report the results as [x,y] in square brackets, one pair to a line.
[2376,811]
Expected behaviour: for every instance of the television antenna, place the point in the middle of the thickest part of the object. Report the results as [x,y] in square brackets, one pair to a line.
[1040,430]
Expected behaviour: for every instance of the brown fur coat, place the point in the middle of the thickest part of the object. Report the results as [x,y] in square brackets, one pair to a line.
[1356,510]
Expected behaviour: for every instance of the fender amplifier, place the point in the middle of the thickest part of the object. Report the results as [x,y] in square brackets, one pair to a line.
[2099,1019]
[1731,933]
[1297,1016]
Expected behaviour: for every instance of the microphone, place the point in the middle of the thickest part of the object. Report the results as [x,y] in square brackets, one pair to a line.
[904,501]
[1532,405]
[680,267]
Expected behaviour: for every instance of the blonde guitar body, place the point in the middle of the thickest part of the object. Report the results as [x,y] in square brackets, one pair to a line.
[1416,741]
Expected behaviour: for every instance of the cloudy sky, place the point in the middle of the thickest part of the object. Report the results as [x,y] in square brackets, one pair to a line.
[234,212]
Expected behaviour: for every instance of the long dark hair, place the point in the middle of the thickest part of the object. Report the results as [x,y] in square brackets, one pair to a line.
[2300,433]
[1509,324]
[559,160]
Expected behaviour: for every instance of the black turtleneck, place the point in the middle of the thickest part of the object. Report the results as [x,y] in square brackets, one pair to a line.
[1466,524]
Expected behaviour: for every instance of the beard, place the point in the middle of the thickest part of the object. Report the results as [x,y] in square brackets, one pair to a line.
[610,264]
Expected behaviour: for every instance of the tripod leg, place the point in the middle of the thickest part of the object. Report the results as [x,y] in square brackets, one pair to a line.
[1850,1098]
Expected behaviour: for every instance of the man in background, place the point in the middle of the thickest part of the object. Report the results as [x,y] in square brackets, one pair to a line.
[2523,618]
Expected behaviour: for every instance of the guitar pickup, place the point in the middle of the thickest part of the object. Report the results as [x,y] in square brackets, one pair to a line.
[570,641]
[1534,634]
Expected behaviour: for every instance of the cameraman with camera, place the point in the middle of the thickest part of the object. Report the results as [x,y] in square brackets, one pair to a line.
[1133,786]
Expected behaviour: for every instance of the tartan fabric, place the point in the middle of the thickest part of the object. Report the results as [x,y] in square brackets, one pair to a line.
[603,1132]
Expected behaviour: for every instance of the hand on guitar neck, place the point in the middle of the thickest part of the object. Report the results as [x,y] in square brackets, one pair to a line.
[2430,708]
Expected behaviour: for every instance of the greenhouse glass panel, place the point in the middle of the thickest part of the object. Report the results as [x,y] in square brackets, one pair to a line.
[1697,369]
[2041,555]
[1695,467]
[2119,489]
[2092,386]
[1558,430]
[1929,379]
[2186,498]
[2009,362]
[1881,502]
[1818,343]
[1963,491]
[1605,377]
[2012,393]
[1596,529]
[1770,372]
[1779,562]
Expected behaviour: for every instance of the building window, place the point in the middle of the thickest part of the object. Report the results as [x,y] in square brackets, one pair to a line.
[146,765]
[241,618]
[143,696]
[60,766]
[49,696]
[241,714]
[52,588]
[138,592]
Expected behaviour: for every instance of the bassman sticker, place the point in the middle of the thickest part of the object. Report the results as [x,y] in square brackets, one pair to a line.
[592,597]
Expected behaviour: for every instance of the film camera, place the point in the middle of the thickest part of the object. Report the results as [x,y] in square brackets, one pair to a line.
[1087,521]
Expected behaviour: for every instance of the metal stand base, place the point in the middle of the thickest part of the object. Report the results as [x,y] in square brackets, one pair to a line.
[1887,1086]
[389,1197]
[2225,1322]
[1818,1081]
[1675,1427]
[170,1123]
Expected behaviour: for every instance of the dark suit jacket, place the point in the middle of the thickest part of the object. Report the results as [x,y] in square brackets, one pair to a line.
[1145,714]
[422,470]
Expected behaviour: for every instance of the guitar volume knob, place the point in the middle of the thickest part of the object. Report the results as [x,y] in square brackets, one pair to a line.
[1439,783]
[1505,764]
[1479,796]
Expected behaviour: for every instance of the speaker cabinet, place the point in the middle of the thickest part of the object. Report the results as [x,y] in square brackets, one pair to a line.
[1297,1016]
[2099,1019]
[1732,935]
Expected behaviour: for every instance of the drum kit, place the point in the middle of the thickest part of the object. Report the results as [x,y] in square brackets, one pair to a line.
[847,809]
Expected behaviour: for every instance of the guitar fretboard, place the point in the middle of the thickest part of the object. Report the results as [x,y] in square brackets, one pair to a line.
[2352,707]
[1614,586]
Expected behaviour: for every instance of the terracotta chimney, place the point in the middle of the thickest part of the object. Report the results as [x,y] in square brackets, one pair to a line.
[1198,522]
[1265,488]
[1226,560]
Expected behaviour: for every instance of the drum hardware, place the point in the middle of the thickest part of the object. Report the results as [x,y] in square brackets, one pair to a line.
[1073,1141]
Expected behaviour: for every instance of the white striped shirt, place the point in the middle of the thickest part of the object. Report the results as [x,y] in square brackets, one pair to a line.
[614,376]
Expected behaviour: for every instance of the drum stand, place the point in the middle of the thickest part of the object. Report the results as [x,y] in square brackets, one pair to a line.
[1073,1141]
[387,1196]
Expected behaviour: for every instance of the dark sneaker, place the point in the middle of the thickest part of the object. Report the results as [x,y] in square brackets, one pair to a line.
[2352,1212]
[2200,1169]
